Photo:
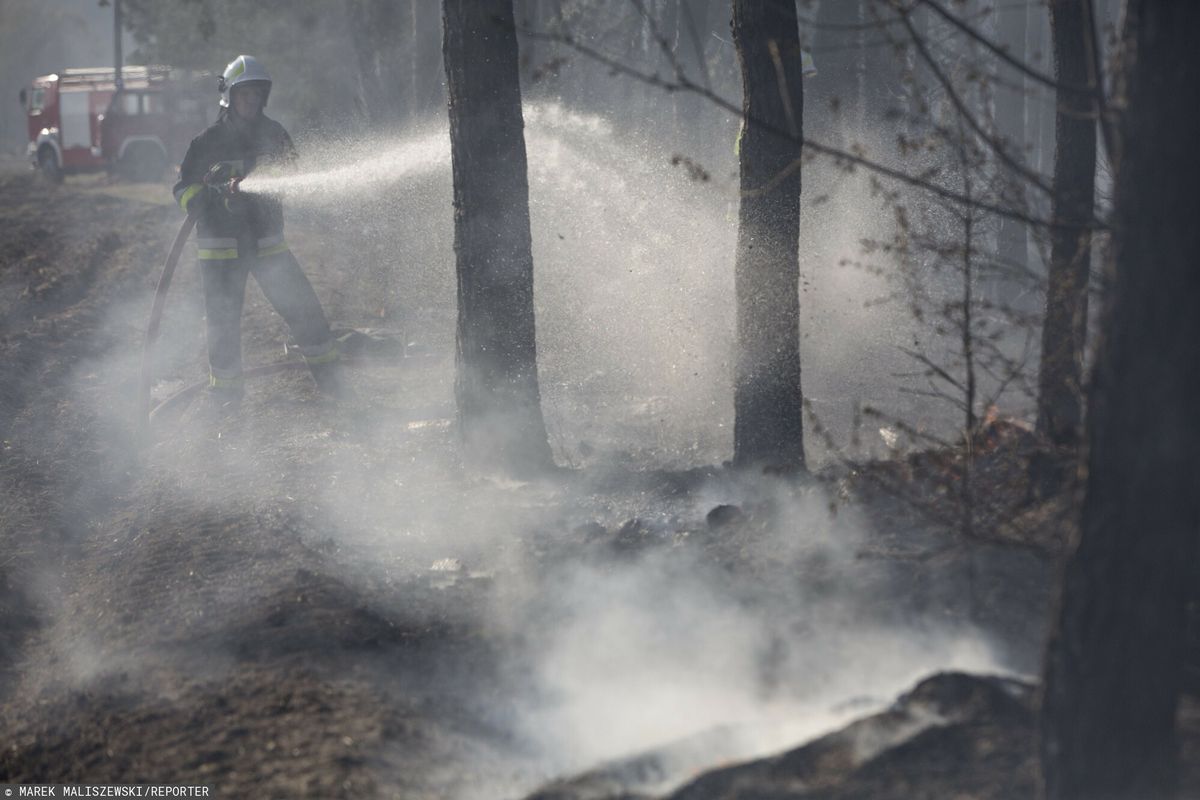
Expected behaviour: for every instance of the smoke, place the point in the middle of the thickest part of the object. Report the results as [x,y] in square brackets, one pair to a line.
[633,288]
[671,649]
[773,634]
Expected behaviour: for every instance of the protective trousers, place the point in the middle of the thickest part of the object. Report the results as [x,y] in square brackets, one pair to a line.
[288,290]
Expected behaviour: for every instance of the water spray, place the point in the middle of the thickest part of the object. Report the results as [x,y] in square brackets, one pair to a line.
[388,164]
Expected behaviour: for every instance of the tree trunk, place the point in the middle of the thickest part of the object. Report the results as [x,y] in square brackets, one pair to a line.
[838,53]
[496,386]
[1041,58]
[1060,394]
[378,29]
[768,412]
[882,74]
[1011,123]
[1114,666]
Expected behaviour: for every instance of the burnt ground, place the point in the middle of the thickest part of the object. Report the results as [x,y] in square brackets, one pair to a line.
[313,601]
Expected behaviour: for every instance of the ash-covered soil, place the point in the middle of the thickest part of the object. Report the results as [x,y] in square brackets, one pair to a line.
[174,610]
[319,601]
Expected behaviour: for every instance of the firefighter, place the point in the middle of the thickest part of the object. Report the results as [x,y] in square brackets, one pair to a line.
[238,235]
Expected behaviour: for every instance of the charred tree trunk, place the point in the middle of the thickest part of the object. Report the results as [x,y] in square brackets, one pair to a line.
[496,386]
[1060,395]
[768,410]
[1114,667]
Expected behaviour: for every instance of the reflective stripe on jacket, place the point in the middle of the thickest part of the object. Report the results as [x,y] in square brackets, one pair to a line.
[210,248]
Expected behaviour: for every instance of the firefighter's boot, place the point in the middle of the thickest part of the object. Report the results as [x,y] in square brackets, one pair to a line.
[332,382]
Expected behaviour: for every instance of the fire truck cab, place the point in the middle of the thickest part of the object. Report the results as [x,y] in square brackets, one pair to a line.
[78,121]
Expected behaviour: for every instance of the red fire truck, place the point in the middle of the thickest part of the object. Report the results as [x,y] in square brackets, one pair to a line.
[79,121]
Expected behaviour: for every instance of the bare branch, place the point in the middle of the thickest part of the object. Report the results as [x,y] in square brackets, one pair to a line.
[663,44]
[921,358]
[1096,88]
[995,144]
[906,428]
[1003,53]
[694,35]
[684,83]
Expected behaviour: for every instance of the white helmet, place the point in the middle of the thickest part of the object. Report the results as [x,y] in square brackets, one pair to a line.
[243,69]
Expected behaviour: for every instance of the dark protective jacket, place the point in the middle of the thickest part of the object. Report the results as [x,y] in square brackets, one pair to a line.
[244,224]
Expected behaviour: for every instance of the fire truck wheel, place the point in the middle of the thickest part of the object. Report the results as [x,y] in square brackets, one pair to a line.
[143,162]
[48,165]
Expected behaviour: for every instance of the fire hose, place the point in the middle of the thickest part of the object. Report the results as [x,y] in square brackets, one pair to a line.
[220,178]
[160,299]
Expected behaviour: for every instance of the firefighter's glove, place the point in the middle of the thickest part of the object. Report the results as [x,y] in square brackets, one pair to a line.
[219,173]
[223,178]
[201,201]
